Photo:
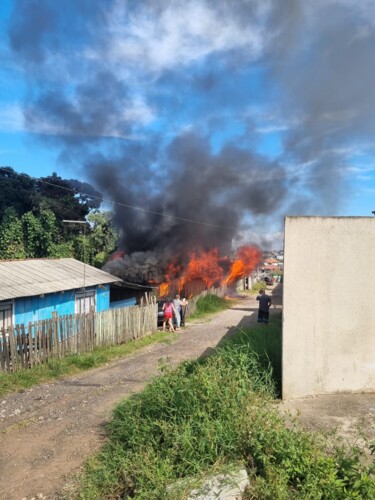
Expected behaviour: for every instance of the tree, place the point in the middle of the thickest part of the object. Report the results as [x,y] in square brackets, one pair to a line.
[11,241]
[97,241]
[32,232]
[17,191]
[40,234]
[68,199]
[34,227]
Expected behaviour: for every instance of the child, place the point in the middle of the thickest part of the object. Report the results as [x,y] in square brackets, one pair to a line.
[169,310]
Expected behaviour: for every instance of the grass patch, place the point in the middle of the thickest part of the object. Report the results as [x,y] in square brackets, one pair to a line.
[259,285]
[213,412]
[266,343]
[209,304]
[71,365]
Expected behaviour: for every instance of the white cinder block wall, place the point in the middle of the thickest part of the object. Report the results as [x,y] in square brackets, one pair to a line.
[328,305]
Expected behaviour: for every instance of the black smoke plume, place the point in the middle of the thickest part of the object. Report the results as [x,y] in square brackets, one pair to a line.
[317,64]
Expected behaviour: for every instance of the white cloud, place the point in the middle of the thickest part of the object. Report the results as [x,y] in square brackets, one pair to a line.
[137,111]
[11,118]
[360,170]
[182,33]
[271,129]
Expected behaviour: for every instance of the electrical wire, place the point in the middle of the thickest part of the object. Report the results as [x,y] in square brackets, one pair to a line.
[182,219]
[161,214]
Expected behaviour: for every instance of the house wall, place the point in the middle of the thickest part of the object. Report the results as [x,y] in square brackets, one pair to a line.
[30,309]
[328,310]
[102,298]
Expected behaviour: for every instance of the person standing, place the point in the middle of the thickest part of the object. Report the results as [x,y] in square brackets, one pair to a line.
[264,307]
[169,310]
[184,306]
[177,306]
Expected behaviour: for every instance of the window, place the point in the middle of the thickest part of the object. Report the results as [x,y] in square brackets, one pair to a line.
[6,315]
[85,302]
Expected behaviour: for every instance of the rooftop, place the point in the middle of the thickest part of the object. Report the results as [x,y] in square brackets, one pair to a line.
[29,277]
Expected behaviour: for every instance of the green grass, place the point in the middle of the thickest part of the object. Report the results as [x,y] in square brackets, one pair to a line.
[209,304]
[265,341]
[55,368]
[258,286]
[210,414]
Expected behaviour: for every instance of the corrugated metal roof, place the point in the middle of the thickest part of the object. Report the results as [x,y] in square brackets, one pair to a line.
[26,278]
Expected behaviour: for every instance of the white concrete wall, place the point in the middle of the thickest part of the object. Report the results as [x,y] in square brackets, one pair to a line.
[328,305]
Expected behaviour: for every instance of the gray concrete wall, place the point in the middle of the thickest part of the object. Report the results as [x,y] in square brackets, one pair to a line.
[328,305]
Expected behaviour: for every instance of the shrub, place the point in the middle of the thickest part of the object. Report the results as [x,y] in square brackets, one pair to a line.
[258,286]
[208,305]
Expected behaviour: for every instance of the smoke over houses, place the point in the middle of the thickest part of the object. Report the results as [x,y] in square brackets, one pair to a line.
[204,122]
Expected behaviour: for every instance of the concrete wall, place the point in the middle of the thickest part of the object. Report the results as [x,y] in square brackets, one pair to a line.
[328,305]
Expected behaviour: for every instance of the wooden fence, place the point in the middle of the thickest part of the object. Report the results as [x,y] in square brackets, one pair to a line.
[25,346]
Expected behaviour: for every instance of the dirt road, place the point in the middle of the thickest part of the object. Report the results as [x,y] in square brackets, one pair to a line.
[47,432]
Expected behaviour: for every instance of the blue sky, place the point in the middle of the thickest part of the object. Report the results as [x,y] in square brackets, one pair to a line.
[230,113]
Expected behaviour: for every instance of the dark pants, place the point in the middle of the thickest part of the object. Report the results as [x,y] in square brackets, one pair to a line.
[183,312]
[263,316]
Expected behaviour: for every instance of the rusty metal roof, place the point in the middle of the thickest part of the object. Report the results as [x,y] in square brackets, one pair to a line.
[26,278]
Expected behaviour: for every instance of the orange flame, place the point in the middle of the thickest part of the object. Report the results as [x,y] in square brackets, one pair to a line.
[206,269]
[119,254]
[163,289]
[204,266]
[245,262]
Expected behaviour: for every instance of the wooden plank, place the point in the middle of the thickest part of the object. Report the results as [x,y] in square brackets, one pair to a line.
[48,338]
[25,346]
[55,336]
[8,353]
[3,348]
[45,353]
[32,344]
[36,343]
[19,347]
[16,363]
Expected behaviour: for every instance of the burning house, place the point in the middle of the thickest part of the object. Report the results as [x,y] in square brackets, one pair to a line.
[188,274]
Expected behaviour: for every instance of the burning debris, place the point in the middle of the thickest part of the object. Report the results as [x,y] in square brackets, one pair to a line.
[187,275]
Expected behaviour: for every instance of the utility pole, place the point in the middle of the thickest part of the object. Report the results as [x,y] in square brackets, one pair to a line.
[84,255]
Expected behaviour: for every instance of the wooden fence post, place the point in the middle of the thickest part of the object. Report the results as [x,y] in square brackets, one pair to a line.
[55,337]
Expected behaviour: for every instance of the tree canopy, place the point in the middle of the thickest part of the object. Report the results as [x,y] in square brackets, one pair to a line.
[32,213]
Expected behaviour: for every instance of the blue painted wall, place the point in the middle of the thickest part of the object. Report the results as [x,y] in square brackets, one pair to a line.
[123,303]
[102,298]
[30,309]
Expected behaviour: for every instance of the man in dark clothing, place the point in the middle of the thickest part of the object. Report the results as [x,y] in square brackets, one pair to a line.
[264,307]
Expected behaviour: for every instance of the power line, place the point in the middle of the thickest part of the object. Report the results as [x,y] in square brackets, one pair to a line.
[182,219]
[192,221]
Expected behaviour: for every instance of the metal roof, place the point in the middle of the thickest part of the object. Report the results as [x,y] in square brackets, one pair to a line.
[26,278]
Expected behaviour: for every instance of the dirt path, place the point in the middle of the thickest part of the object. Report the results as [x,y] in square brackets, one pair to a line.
[47,432]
